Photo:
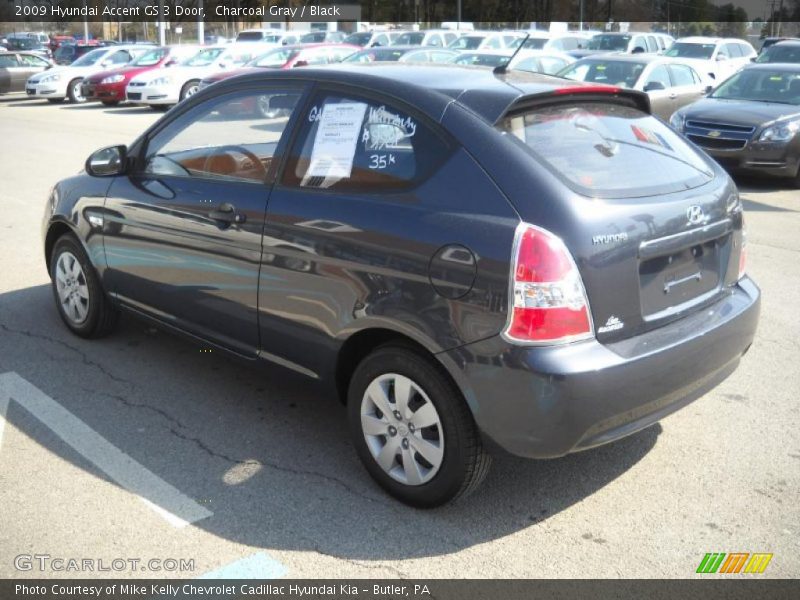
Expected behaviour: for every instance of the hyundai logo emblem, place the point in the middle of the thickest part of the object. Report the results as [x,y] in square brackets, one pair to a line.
[695,215]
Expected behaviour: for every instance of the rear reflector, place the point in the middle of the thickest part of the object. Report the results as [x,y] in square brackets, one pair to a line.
[548,303]
[743,252]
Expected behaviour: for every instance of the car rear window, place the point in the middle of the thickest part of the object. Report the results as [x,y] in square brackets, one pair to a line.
[608,150]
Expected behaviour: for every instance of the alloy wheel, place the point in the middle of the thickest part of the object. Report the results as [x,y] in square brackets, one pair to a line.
[73,292]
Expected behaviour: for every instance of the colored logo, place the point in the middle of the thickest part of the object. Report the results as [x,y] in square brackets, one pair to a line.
[735,562]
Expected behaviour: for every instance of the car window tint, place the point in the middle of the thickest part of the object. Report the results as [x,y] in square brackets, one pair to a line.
[8,60]
[659,74]
[348,143]
[682,75]
[608,150]
[234,138]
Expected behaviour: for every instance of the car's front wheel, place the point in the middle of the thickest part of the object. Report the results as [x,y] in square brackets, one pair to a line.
[412,428]
[190,88]
[74,92]
[81,301]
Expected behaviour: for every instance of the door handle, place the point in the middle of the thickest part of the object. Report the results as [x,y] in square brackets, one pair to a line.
[673,96]
[227,213]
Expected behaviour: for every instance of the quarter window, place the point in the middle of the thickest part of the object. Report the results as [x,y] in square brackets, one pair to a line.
[682,75]
[234,139]
[660,75]
[348,143]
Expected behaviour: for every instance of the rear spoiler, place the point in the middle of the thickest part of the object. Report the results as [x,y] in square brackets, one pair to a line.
[581,93]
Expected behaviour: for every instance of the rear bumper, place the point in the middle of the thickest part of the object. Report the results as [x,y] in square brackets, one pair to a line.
[543,402]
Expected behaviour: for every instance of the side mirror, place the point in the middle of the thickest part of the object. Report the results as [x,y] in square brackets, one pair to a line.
[301,63]
[637,50]
[106,63]
[108,162]
[652,86]
[709,89]
[171,63]
[721,57]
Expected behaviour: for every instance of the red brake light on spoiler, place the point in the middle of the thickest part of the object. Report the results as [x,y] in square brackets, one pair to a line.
[548,304]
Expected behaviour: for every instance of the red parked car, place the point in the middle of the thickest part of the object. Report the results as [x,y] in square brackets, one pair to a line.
[109,86]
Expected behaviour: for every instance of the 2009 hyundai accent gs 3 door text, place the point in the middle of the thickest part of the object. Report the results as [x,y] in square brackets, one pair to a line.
[470,259]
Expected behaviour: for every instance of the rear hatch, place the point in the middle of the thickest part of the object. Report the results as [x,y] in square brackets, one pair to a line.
[653,225]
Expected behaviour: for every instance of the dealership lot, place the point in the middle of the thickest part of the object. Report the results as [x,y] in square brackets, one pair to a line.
[259,466]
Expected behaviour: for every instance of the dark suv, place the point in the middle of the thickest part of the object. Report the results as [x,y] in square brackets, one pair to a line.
[470,259]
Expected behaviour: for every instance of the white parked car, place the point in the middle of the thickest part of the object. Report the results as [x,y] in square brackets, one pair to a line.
[65,82]
[272,37]
[560,42]
[717,58]
[487,40]
[548,62]
[432,37]
[163,88]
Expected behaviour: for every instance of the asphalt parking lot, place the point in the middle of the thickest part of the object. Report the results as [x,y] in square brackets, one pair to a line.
[258,469]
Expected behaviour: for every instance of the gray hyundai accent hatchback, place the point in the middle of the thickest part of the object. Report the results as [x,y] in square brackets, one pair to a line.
[473,260]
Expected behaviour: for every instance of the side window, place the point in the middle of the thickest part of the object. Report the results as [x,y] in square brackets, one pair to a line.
[682,75]
[8,60]
[638,42]
[746,50]
[435,40]
[120,58]
[28,60]
[381,40]
[320,56]
[652,45]
[493,43]
[348,143]
[233,139]
[732,50]
[660,75]
[449,38]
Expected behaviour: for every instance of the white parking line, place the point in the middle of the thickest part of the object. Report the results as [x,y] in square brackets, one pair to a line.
[178,509]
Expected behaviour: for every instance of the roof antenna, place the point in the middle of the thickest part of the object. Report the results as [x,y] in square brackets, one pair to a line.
[503,69]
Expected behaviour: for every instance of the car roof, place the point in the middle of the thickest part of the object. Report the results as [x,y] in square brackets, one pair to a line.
[624,57]
[789,67]
[787,42]
[428,87]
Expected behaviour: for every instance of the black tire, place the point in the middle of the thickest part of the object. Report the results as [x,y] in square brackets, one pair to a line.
[110,102]
[55,100]
[75,95]
[187,88]
[101,316]
[464,462]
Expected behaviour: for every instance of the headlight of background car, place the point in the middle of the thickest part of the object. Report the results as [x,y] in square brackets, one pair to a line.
[780,132]
[161,81]
[677,121]
[113,79]
[49,78]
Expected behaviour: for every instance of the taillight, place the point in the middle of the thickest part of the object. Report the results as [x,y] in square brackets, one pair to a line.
[548,304]
[743,252]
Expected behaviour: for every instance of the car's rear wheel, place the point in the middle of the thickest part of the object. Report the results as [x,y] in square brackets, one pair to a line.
[81,301]
[190,88]
[412,429]
[74,92]
[110,102]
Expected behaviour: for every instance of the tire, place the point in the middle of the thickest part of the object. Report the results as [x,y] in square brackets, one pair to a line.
[189,89]
[88,313]
[423,466]
[110,102]
[74,91]
[55,100]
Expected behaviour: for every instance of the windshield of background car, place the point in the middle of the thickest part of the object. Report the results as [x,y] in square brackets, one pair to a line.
[274,59]
[609,42]
[467,42]
[203,58]
[250,36]
[148,59]
[610,72]
[358,39]
[687,50]
[608,150]
[535,43]
[761,85]
[482,60]
[65,52]
[373,54]
[410,39]
[780,54]
[90,58]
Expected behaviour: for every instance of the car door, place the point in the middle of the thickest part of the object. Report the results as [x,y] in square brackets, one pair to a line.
[687,85]
[662,99]
[345,230]
[29,65]
[9,72]
[182,232]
